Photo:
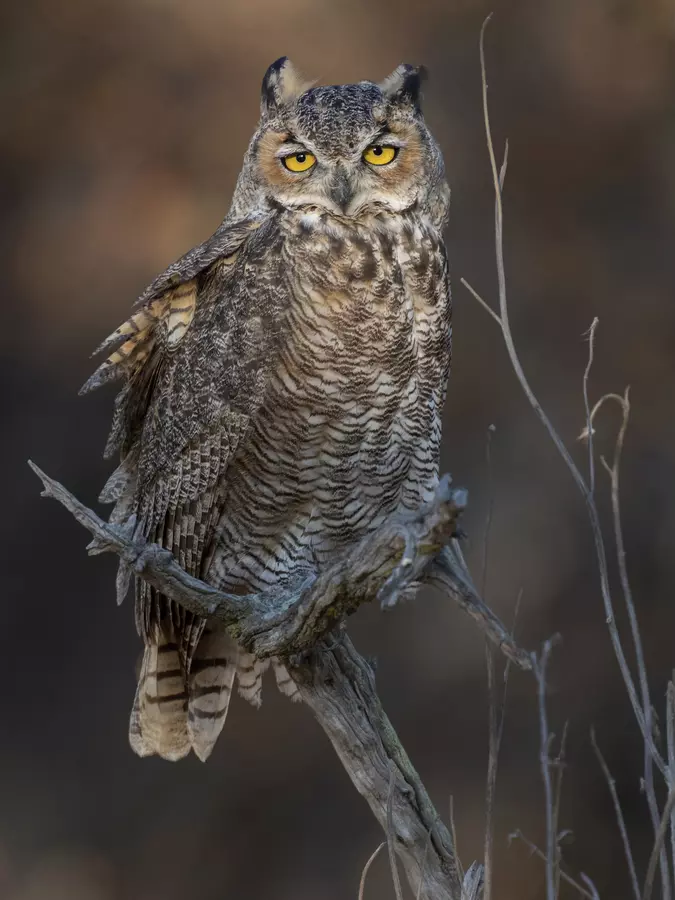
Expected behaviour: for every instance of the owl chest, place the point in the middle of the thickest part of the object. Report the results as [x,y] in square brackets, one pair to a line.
[350,428]
[368,317]
[360,375]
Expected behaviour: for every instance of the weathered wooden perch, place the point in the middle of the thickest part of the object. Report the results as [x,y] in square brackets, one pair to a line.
[301,623]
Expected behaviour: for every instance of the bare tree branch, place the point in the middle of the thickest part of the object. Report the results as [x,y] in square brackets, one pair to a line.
[494,737]
[587,373]
[290,620]
[453,833]
[338,685]
[611,784]
[450,574]
[539,666]
[558,766]
[591,887]
[493,729]
[658,845]
[472,885]
[535,851]
[334,681]
[650,792]
[366,868]
[670,742]
[390,841]
[591,508]
[418,895]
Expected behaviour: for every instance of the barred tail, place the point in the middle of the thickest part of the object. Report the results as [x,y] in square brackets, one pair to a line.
[249,675]
[170,717]
[158,721]
[210,683]
[284,682]
[250,671]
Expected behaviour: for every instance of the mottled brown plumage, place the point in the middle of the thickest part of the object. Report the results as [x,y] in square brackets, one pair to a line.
[284,380]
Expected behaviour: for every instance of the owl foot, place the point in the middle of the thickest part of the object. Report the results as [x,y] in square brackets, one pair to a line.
[389,593]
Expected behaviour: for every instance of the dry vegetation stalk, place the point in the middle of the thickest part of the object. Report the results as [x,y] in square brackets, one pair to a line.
[641,704]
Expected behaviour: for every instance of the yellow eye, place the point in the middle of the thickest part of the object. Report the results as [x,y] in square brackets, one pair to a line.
[380,154]
[299,162]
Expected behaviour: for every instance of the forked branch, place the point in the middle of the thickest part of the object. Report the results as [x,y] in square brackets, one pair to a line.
[403,552]
[301,623]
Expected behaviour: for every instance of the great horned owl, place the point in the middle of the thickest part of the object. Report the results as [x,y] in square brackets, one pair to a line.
[284,380]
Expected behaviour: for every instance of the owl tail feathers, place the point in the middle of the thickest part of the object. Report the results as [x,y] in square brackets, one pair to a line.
[249,675]
[210,683]
[173,714]
[158,723]
[216,662]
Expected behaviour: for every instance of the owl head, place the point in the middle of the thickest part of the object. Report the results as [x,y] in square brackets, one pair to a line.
[343,149]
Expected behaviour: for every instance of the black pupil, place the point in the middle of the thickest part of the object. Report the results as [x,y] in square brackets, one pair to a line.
[301,157]
[377,151]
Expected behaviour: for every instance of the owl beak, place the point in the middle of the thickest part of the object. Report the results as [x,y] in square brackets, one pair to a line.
[340,191]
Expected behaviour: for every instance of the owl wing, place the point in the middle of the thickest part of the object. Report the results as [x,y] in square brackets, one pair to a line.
[194,359]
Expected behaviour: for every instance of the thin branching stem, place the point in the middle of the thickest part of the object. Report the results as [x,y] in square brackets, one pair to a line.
[658,845]
[535,851]
[493,729]
[587,373]
[611,784]
[559,767]
[486,306]
[670,740]
[539,668]
[366,868]
[453,835]
[594,519]
[650,793]
[591,887]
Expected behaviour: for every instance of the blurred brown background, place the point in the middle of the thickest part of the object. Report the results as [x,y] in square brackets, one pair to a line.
[122,132]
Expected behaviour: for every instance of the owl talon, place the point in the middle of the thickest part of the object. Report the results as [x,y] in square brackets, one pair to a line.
[388,594]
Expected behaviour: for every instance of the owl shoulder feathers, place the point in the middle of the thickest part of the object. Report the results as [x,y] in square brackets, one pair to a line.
[194,358]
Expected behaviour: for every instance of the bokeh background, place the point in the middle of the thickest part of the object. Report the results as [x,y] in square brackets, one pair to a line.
[122,130]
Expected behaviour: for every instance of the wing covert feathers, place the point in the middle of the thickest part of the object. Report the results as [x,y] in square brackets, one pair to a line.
[167,305]
[163,321]
[192,362]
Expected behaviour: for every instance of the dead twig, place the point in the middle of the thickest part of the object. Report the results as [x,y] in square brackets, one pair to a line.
[451,575]
[658,845]
[539,668]
[535,851]
[650,793]
[587,373]
[498,178]
[611,784]
[558,766]
[591,887]
[493,735]
[453,832]
[472,886]
[335,682]
[670,742]
[284,622]
[366,868]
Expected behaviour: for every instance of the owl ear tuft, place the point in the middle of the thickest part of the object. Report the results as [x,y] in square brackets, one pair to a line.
[281,85]
[404,85]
